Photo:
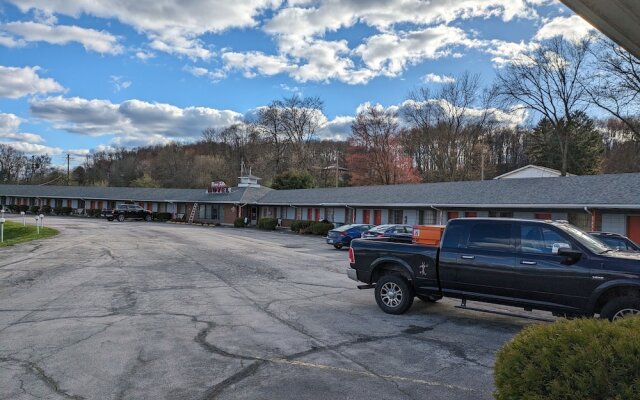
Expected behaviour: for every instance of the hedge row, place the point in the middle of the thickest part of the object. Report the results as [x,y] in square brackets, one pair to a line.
[311,227]
[571,360]
[239,223]
[268,224]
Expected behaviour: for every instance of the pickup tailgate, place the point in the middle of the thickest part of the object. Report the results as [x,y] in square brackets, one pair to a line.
[370,255]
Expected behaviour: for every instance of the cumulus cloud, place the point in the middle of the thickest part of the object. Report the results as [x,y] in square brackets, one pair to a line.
[172,27]
[214,75]
[434,78]
[338,128]
[133,122]
[17,82]
[10,126]
[27,142]
[504,53]
[91,39]
[572,28]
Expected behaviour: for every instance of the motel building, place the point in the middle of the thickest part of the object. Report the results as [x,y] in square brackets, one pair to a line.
[609,203]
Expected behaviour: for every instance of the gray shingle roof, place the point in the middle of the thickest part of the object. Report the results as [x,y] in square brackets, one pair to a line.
[237,195]
[608,191]
[602,191]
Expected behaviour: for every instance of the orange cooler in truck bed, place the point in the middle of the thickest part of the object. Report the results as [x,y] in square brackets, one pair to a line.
[427,234]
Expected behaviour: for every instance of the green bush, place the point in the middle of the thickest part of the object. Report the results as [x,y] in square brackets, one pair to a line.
[239,223]
[161,216]
[13,207]
[299,226]
[571,360]
[23,208]
[93,213]
[66,210]
[35,209]
[268,224]
[57,210]
[321,228]
[46,210]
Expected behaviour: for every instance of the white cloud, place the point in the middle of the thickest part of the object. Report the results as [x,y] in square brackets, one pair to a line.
[572,28]
[171,26]
[338,128]
[390,53]
[508,52]
[144,55]
[119,83]
[434,78]
[132,121]
[31,148]
[255,62]
[10,126]
[17,82]
[316,18]
[214,75]
[91,39]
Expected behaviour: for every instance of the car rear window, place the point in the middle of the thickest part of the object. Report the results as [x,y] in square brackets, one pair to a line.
[343,228]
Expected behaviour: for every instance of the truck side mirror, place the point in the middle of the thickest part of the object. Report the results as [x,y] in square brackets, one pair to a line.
[571,256]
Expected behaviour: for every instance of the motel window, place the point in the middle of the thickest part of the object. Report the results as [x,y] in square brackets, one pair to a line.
[396,217]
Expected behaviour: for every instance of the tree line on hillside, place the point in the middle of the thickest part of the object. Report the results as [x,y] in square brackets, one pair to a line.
[461,131]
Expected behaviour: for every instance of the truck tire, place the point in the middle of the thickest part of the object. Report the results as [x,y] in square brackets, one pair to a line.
[621,307]
[121,218]
[393,294]
[428,298]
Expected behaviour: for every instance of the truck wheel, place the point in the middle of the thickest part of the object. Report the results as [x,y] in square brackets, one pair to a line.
[428,299]
[393,294]
[121,218]
[148,218]
[620,307]
[337,246]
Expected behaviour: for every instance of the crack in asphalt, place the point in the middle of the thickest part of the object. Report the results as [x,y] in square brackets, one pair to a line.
[39,373]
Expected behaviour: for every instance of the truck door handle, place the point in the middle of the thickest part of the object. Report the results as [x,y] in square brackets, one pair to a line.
[468,257]
[525,262]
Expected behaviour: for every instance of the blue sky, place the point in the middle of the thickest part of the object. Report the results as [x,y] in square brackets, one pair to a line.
[78,76]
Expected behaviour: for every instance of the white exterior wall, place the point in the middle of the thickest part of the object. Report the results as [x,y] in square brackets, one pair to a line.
[385,216]
[339,215]
[483,214]
[614,223]
[411,217]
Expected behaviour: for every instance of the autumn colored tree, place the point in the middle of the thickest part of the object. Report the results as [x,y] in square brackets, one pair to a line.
[375,155]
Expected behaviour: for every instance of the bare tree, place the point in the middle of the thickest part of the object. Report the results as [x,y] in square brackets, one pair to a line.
[376,156]
[616,86]
[299,120]
[548,80]
[447,126]
[269,125]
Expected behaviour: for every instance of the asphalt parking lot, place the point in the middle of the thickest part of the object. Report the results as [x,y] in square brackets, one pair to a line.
[138,310]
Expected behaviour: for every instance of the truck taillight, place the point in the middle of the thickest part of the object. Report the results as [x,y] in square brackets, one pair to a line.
[352,257]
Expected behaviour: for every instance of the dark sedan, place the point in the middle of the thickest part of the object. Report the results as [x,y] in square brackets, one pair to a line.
[616,241]
[343,235]
[390,231]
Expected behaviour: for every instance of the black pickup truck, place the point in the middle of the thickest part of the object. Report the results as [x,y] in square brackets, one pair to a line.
[127,211]
[544,265]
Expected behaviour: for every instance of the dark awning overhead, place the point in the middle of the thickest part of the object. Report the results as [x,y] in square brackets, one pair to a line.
[618,19]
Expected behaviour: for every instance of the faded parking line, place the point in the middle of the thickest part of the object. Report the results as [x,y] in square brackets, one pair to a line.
[366,373]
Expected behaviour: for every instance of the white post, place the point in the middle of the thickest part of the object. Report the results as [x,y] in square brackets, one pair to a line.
[2,229]
[37,225]
[41,220]
[24,218]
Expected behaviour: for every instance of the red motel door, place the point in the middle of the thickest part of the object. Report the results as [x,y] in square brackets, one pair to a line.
[633,228]
[317,214]
[544,216]
[377,217]
[452,215]
[309,214]
[366,214]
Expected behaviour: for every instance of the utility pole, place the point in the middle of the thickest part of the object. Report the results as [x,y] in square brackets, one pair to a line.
[482,165]
[337,168]
[68,162]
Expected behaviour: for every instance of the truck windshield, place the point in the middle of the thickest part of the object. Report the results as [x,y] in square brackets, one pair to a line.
[584,238]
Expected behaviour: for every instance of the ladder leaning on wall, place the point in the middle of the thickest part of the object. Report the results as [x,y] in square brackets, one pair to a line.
[194,209]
